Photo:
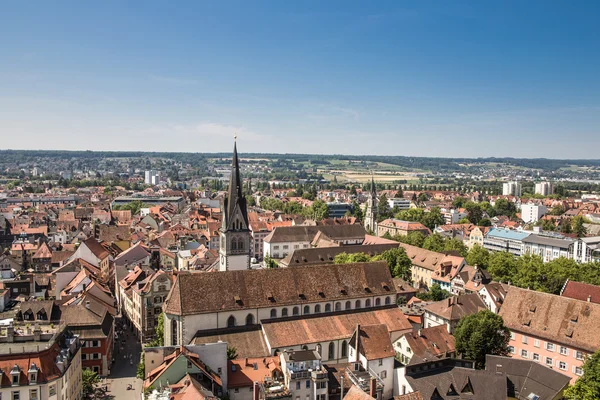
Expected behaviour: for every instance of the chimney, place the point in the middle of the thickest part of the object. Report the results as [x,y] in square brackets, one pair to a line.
[256,392]
[373,387]
[589,298]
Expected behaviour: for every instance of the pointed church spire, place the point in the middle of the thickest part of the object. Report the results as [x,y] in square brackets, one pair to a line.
[235,197]
[373,192]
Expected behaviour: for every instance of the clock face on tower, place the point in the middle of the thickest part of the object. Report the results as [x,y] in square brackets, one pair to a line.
[222,259]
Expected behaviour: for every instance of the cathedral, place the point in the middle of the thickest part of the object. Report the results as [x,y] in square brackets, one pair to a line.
[234,249]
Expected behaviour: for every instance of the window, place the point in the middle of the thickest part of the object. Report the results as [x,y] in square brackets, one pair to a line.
[563,350]
[284,312]
[16,395]
[273,313]
[368,303]
[327,307]
[331,354]
[298,385]
[83,356]
[380,362]
[524,353]
[348,305]
[33,394]
[562,365]
[275,247]
[578,355]
[524,339]
[231,321]
[52,390]
[378,301]
[96,356]
[536,357]
[236,390]
[15,379]
[344,349]
[512,336]
[295,311]
[388,300]
[285,246]
[338,306]
[308,384]
[536,342]
[306,309]
[250,319]
[383,374]
[578,371]
[549,346]
[317,308]
[511,349]
[174,332]
[549,361]
[357,304]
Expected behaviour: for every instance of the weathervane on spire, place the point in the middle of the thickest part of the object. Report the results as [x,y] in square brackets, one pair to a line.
[235,136]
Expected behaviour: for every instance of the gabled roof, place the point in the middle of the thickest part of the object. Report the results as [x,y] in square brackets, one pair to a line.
[581,291]
[43,252]
[559,319]
[373,342]
[301,257]
[356,393]
[96,248]
[435,341]
[528,377]
[238,290]
[456,307]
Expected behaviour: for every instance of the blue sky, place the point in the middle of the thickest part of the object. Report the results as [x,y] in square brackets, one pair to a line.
[426,78]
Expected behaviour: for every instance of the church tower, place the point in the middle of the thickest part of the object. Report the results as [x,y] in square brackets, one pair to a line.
[371,211]
[234,249]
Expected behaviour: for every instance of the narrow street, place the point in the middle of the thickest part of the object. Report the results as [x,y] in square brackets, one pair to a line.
[123,371]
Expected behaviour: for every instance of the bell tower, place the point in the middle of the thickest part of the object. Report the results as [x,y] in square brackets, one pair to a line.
[235,238]
[371,211]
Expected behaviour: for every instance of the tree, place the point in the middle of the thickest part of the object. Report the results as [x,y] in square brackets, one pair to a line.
[141,368]
[474,212]
[357,211]
[479,334]
[578,228]
[269,262]
[434,242]
[464,220]
[485,222]
[557,210]
[587,387]
[399,194]
[318,211]
[398,262]
[457,245]
[459,202]
[231,353]
[566,225]
[435,293]
[502,266]
[345,258]
[384,210]
[479,256]
[89,379]
[422,197]
[433,218]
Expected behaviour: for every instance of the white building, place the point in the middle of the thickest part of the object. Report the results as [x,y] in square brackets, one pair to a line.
[512,188]
[544,188]
[453,216]
[531,213]
[400,203]
[587,249]
[304,376]
[547,247]
[152,177]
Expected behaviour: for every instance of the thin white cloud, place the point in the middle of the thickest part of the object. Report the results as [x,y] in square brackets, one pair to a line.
[212,129]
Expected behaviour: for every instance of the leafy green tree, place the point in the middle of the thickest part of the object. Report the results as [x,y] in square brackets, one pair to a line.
[578,228]
[345,258]
[479,334]
[231,353]
[318,211]
[485,222]
[479,256]
[434,242]
[357,211]
[414,239]
[89,379]
[464,220]
[455,244]
[412,214]
[399,194]
[269,262]
[587,387]
[557,210]
[502,266]
[504,207]
[433,218]
[566,226]
[141,368]
[384,210]
[398,262]
[459,202]
[474,212]
[435,293]
[422,197]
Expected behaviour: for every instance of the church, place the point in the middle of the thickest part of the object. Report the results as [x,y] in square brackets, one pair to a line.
[235,237]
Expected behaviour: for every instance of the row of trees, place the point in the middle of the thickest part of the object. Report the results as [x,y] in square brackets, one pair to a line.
[396,259]
[433,242]
[530,271]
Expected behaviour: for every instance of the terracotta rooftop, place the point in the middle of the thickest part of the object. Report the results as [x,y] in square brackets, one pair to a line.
[581,291]
[559,319]
[197,293]
[374,342]
[456,307]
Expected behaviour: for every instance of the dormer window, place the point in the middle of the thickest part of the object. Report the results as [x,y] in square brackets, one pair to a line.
[33,373]
[15,373]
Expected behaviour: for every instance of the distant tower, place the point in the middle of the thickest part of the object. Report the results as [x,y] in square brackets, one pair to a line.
[371,211]
[235,237]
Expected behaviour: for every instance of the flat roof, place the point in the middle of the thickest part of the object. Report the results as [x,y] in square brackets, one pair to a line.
[549,241]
